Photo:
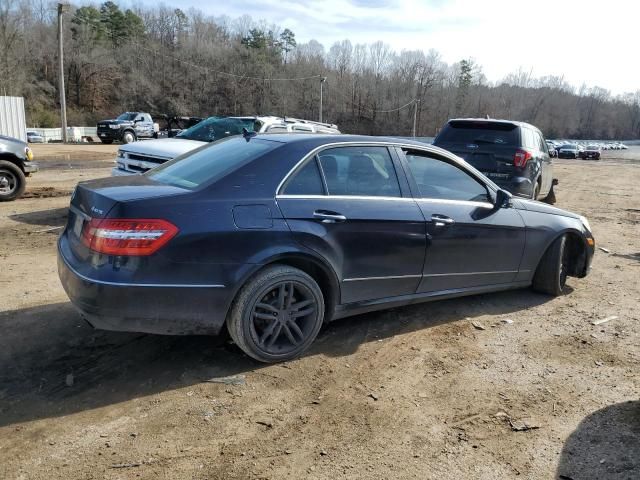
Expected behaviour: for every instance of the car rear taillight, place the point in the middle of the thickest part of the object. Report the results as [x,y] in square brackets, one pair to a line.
[134,237]
[521,158]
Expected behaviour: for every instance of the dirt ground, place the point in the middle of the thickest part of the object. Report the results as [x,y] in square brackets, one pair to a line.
[415,392]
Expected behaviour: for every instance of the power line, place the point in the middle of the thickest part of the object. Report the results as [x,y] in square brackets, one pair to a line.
[373,110]
[220,72]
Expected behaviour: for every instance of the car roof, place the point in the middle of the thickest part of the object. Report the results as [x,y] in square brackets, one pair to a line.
[310,141]
[494,120]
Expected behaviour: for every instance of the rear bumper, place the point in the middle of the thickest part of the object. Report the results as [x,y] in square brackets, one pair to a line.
[520,186]
[159,309]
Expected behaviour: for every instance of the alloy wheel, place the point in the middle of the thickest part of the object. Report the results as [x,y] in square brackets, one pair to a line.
[8,182]
[283,318]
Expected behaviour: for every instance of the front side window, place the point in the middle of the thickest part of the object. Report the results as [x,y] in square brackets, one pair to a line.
[359,171]
[440,180]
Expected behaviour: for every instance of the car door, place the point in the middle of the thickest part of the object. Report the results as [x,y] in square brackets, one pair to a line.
[350,206]
[470,243]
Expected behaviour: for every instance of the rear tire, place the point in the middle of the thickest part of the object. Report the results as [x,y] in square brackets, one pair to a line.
[551,274]
[12,181]
[551,196]
[277,314]
[536,191]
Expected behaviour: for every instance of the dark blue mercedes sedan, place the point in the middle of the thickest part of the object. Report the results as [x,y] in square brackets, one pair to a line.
[274,235]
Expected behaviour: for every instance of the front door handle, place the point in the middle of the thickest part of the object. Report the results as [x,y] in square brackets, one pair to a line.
[328,216]
[441,220]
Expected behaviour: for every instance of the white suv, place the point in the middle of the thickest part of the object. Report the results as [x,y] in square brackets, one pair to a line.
[138,157]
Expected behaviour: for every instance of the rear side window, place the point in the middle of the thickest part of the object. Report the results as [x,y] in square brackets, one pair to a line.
[529,139]
[479,133]
[210,163]
[359,171]
[306,181]
[440,180]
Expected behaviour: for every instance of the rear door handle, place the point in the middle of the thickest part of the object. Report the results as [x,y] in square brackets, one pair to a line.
[328,216]
[441,220]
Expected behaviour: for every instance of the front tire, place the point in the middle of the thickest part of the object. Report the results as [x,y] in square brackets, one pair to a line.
[12,181]
[128,137]
[551,274]
[277,314]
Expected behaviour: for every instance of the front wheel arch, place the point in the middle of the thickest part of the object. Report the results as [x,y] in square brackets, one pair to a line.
[577,246]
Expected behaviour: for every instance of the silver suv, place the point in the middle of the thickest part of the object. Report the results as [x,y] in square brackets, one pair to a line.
[138,157]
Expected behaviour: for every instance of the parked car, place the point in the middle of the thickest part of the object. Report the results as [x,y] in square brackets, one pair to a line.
[127,128]
[140,157]
[512,154]
[275,235]
[16,163]
[552,149]
[34,137]
[569,150]
[592,151]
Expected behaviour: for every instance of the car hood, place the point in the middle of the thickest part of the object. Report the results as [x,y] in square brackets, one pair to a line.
[10,141]
[535,206]
[163,148]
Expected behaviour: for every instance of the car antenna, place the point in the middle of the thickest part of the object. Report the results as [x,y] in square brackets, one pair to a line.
[247,134]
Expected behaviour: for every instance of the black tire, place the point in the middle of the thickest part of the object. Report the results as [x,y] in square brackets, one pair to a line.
[264,320]
[551,196]
[12,181]
[536,191]
[551,274]
[128,137]
[107,141]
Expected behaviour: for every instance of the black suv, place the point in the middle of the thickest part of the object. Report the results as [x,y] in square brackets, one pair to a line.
[512,154]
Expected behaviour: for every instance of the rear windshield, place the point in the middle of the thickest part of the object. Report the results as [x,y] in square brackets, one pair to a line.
[479,133]
[211,163]
[215,128]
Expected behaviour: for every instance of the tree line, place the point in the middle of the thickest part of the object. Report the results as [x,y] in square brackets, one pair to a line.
[166,60]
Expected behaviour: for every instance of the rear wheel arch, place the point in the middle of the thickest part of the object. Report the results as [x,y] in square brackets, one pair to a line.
[316,268]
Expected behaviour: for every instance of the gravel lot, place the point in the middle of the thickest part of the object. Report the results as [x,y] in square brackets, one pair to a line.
[415,392]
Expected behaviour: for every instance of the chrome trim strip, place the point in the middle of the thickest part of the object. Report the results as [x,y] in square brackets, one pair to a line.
[119,284]
[342,197]
[404,199]
[470,273]
[456,202]
[79,212]
[393,277]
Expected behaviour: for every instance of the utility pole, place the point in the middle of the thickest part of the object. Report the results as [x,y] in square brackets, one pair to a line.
[415,116]
[322,80]
[62,8]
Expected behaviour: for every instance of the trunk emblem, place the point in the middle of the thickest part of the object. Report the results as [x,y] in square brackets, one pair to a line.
[97,210]
[472,145]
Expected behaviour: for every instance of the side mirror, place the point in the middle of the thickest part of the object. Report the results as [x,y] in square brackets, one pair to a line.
[503,199]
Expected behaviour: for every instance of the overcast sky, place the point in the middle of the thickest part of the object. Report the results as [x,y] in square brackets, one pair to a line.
[596,42]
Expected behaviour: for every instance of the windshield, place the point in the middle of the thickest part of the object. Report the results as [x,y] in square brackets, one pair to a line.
[215,128]
[569,147]
[210,163]
[478,132]
[127,116]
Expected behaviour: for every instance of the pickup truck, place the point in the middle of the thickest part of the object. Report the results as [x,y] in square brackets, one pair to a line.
[16,163]
[142,156]
[127,128]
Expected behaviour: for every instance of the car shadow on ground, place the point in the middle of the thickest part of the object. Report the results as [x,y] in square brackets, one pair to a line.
[54,364]
[55,217]
[604,446]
